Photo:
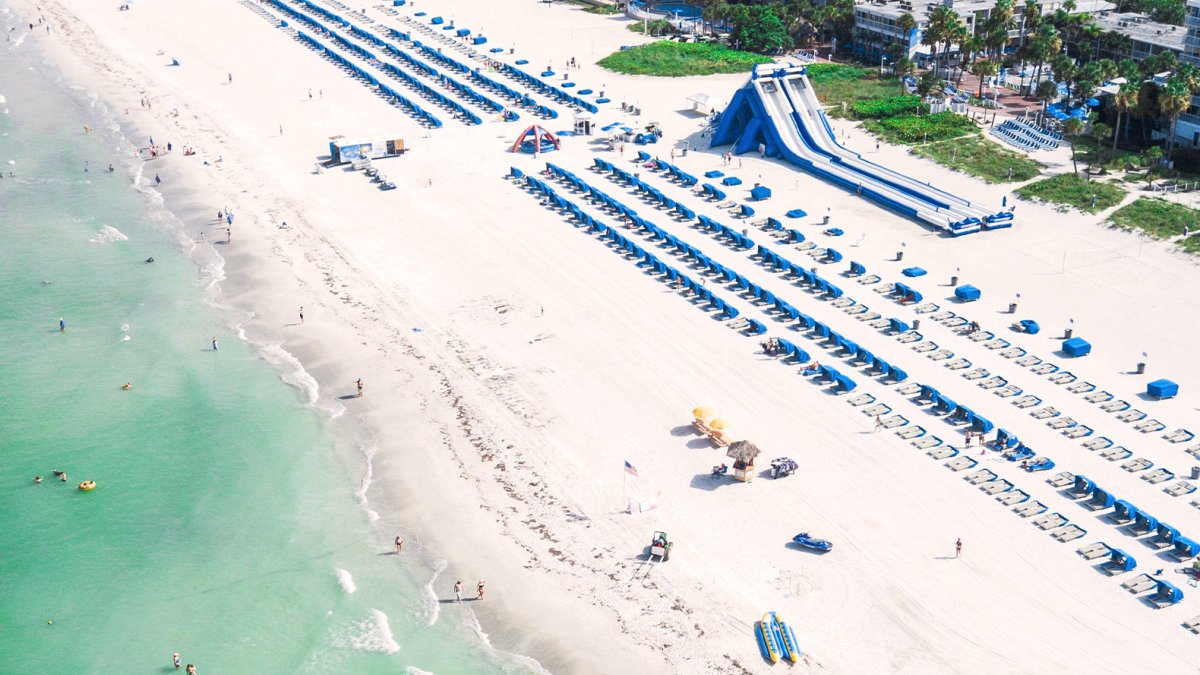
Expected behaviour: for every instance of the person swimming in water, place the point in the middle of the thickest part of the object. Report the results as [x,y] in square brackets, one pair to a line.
[37,479]
[127,386]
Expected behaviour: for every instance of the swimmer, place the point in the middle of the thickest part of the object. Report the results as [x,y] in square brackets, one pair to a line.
[110,168]
[127,386]
[37,479]
[150,259]
[63,478]
[56,472]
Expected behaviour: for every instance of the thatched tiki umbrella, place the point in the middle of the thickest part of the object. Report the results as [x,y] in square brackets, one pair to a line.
[743,452]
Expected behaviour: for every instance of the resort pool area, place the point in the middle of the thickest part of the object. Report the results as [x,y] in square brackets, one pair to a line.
[675,10]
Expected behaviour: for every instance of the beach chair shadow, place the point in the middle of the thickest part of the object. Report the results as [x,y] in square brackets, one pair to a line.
[708,482]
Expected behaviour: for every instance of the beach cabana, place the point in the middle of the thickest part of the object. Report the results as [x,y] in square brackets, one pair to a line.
[796,213]
[1083,486]
[1144,523]
[760,193]
[1119,562]
[743,453]
[1029,326]
[1123,511]
[1161,389]
[1165,593]
[967,293]
[1101,499]
[1185,549]
[913,272]
[1076,347]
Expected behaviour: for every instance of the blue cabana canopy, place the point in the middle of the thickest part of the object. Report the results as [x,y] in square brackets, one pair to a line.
[1144,522]
[1083,485]
[967,293]
[731,181]
[760,193]
[898,325]
[1076,347]
[1185,548]
[1167,593]
[1102,499]
[913,272]
[796,213]
[1120,561]
[1123,511]
[1030,326]
[1162,389]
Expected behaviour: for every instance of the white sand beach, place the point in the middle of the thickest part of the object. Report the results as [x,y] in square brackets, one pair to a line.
[513,362]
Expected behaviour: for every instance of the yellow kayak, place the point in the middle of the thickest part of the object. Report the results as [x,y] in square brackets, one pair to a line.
[87,485]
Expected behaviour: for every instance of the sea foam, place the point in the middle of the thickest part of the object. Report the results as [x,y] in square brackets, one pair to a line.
[345,580]
[108,234]
[431,606]
[373,634]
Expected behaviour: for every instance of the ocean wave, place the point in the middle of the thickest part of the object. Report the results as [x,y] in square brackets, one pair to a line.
[293,371]
[372,634]
[368,451]
[431,605]
[345,580]
[413,670]
[108,234]
[526,663]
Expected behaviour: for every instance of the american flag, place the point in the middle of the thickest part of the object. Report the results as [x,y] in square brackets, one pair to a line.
[629,469]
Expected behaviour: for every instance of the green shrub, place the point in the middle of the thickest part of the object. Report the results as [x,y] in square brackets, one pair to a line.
[1074,191]
[1159,218]
[892,106]
[678,59]
[911,129]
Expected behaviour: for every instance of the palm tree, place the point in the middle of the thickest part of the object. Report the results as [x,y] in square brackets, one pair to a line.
[956,34]
[1031,18]
[936,29]
[1071,129]
[1100,133]
[1173,101]
[983,69]
[907,24]
[1126,100]
[995,29]
[1046,92]
[1046,43]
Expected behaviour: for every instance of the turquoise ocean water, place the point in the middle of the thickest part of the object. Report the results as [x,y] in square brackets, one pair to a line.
[227,523]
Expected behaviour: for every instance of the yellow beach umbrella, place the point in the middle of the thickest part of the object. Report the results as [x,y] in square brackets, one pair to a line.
[717,424]
[703,412]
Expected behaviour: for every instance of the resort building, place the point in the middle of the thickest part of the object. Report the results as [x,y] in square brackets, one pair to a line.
[876,22]
[1187,129]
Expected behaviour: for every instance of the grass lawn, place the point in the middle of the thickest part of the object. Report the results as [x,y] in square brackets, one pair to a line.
[656,27]
[1159,218]
[835,83]
[1190,244]
[678,59]
[912,129]
[981,158]
[1074,191]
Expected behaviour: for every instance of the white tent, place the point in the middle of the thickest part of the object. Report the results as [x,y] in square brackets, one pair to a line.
[702,101]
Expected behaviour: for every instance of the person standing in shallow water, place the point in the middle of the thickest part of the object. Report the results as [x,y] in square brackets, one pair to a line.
[62,325]
[458,589]
[214,343]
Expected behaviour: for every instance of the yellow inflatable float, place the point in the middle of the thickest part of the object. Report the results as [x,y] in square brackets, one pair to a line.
[87,485]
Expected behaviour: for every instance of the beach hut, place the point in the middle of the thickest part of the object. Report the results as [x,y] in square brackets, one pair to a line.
[743,453]
[1161,389]
[583,123]
[1075,347]
[967,293]
[760,192]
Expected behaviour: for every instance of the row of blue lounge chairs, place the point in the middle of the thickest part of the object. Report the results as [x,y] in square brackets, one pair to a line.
[548,89]
[462,90]
[643,257]
[1018,136]
[422,115]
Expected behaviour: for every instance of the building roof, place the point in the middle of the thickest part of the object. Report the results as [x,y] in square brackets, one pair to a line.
[920,8]
[1141,29]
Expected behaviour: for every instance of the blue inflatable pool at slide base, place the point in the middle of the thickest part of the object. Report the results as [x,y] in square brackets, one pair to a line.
[775,112]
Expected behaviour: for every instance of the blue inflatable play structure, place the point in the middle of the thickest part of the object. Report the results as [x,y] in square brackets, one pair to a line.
[777,112]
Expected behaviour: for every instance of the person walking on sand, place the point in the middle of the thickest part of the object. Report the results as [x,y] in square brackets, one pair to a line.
[178,663]
[479,589]
[958,548]
[302,315]
[878,423]
[399,544]
[230,82]
[214,343]
[458,588]
[359,384]
[62,325]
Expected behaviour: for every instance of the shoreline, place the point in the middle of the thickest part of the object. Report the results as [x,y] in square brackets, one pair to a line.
[245,294]
[496,402]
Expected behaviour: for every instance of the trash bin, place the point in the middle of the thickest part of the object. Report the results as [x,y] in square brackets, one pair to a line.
[684,152]
[1141,368]
[1012,308]
[1196,473]
[899,255]
[916,324]
[954,281]
[1069,333]
[825,220]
